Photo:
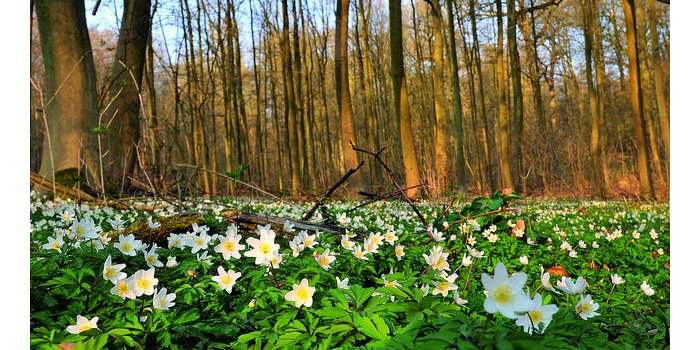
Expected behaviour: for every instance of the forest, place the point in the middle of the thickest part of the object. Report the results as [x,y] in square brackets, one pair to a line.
[373,174]
[563,98]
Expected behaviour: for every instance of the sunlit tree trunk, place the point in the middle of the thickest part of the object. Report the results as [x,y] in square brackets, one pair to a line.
[660,88]
[343,91]
[442,163]
[401,112]
[456,99]
[636,101]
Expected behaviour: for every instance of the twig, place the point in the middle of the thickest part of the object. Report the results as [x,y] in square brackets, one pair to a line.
[97,5]
[48,134]
[231,179]
[330,191]
[377,198]
[377,156]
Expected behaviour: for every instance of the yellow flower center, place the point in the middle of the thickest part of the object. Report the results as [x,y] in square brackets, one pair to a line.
[503,294]
[323,261]
[56,245]
[308,242]
[265,248]
[584,308]
[126,246]
[122,287]
[79,230]
[199,241]
[229,246]
[109,272]
[443,286]
[142,283]
[441,263]
[84,327]
[226,279]
[151,259]
[536,317]
[303,293]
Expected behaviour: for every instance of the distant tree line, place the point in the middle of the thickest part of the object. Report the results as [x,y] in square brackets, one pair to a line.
[539,96]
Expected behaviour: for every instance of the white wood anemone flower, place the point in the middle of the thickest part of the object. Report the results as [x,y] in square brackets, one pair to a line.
[570,287]
[538,318]
[230,246]
[111,272]
[226,279]
[162,300]
[82,324]
[264,248]
[301,294]
[143,282]
[505,293]
[586,307]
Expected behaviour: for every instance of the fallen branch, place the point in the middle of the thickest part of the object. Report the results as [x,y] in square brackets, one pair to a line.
[58,189]
[330,191]
[247,223]
[376,198]
[230,179]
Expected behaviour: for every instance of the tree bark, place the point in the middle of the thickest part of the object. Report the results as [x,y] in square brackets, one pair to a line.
[502,122]
[124,113]
[343,91]
[401,112]
[70,97]
[637,103]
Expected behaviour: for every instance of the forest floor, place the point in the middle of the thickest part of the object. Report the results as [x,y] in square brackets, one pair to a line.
[471,275]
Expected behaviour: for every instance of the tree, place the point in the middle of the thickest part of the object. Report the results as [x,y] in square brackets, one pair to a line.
[590,20]
[517,97]
[637,102]
[342,89]
[442,167]
[659,89]
[401,113]
[456,97]
[290,110]
[502,121]
[70,98]
[124,109]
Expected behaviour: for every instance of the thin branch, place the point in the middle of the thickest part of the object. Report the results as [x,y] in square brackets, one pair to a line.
[392,176]
[231,179]
[330,191]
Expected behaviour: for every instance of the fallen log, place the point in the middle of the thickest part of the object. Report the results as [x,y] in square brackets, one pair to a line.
[247,224]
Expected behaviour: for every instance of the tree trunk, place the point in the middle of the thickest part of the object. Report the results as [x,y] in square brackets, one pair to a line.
[290,109]
[343,92]
[589,21]
[636,100]
[660,88]
[517,98]
[442,165]
[456,99]
[70,97]
[502,125]
[401,112]
[123,114]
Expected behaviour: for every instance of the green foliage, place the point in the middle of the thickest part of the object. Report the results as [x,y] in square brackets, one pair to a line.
[371,313]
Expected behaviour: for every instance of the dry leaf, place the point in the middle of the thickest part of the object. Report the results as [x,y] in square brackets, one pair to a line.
[557,270]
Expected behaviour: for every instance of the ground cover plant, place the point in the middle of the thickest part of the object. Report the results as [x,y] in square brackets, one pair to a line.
[494,272]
